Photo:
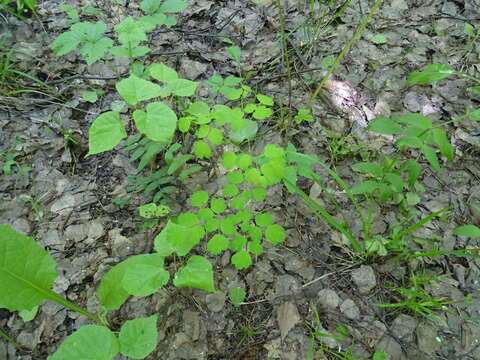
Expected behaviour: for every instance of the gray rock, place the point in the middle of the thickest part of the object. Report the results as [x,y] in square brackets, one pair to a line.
[63,205]
[328,299]
[364,279]
[22,226]
[3,350]
[120,245]
[403,327]
[215,302]
[350,309]
[391,347]
[427,338]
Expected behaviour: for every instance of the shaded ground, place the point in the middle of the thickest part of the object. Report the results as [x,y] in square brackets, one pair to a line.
[65,200]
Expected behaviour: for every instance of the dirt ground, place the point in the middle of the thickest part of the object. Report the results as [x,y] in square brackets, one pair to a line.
[306,298]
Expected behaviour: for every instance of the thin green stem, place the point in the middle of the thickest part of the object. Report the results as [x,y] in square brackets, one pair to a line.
[69,305]
[344,52]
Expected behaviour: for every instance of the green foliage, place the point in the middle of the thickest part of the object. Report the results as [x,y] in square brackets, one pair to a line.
[138,337]
[237,296]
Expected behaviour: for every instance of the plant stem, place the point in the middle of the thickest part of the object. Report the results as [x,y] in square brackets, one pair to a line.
[344,51]
[53,296]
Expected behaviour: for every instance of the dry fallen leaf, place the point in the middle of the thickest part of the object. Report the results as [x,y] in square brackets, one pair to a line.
[287,317]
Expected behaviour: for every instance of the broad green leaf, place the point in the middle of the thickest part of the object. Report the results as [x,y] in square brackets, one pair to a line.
[365,187]
[90,342]
[66,42]
[202,150]
[134,90]
[28,315]
[235,177]
[273,170]
[131,32]
[432,73]
[217,244]
[90,96]
[255,247]
[182,87]
[205,214]
[138,337]
[95,50]
[444,145]
[197,273]
[27,271]
[187,219]
[254,176]
[136,51]
[247,132]
[175,238]
[259,193]
[263,219]
[273,151]
[150,7]
[244,161]
[158,123]
[230,190]
[264,100]
[409,141]
[262,112]
[105,133]
[475,115]
[227,227]
[238,243]
[380,354]
[368,168]
[215,136]
[212,224]
[431,156]
[395,180]
[199,198]
[173,6]
[303,115]
[163,73]
[154,20]
[218,205]
[418,121]
[147,211]
[467,230]
[235,53]
[144,279]
[413,168]
[111,291]
[241,260]
[237,296]
[184,123]
[379,39]
[199,109]
[275,234]
[383,125]
[229,160]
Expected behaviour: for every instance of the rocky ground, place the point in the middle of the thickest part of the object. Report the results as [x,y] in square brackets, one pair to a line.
[305,287]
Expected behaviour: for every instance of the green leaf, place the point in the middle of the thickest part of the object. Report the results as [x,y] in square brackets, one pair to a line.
[431,156]
[163,73]
[238,243]
[215,136]
[217,244]
[182,87]
[150,7]
[468,231]
[199,198]
[28,315]
[105,133]
[187,219]
[69,40]
[264,100]
[247,132]
[385,126]
[368,168]
[230,190]
[395,180]
[202,149]
[229,160]
[241,260]
[147,211]
[235,177]
[432,73]
[244,161]
[173,6]
[111,291]
[263,219]
[89,342]
[380,354]
[303,115]
[184,123]
[440,137]
[475,115]
[254,176]
[95,50]
[212,224]
[134,90]
[259,193]
[218,205]
[413,169]
[144,279]
[227,227]
[175,238]
[90,96]
[138,337]
[237,296]
[409,141]
[131,32]
[234,52]
[365,187]
[275,234]
[255,247]
[197,273]
[262,112]
[158,123]
[26,270]
[379,39]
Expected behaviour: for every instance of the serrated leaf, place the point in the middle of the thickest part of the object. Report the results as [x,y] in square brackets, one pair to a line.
[105,133]
[95,50]
[163,73]
[440,137]
[217,244]
[150,7]
[430,74]
[395,180]
[385,126]
[134,90]
[247,132]
[182,87]
[131,32]
[241,260]
[202,150]
[158,123]
[179,239]
[234,52]
[88,342]
[197,273]
[138,337]
[26,270]
[431,156]
[173,6]
[111,291]
[468,231]
[365,187]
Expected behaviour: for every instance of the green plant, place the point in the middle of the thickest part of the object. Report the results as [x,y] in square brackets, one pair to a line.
[28,271]
[21,6]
